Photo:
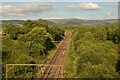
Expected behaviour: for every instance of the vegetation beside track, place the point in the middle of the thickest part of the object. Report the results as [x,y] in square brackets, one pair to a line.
[29,43]
[93,52]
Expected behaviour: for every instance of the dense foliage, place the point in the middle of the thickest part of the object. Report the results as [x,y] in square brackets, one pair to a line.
[28,43]
[93,52]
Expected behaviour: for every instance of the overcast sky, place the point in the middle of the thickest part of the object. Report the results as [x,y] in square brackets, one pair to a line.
[59,10]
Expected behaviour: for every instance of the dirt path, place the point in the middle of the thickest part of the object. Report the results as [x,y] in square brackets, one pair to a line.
[58,59]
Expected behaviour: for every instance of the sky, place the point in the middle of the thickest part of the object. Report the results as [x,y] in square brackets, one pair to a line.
[59,10]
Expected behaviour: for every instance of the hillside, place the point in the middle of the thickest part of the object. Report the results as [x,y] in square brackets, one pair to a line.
[70,21]
[13,21]
[81,21]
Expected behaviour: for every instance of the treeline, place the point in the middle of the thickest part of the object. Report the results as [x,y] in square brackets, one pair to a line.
[93,52]
[28,43]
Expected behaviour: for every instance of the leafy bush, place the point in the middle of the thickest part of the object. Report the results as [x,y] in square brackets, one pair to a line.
[30,42]
[92,54]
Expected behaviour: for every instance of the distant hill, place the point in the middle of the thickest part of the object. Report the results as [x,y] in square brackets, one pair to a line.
[82,22]
[13,21]
[70,21]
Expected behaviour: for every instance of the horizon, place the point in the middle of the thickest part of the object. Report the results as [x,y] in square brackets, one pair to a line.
[56,19]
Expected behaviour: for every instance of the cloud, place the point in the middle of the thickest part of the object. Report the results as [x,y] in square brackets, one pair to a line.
[25,8]
[86,18]
[107,13]
[112,4]
[84,6]
[55,17]
[58,17]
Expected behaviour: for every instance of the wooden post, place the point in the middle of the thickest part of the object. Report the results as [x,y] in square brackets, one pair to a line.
[6,72]
[62,71]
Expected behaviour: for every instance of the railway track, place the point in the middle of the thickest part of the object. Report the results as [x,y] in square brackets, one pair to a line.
[58,59]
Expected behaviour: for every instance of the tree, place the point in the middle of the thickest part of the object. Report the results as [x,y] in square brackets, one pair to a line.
[12,29]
